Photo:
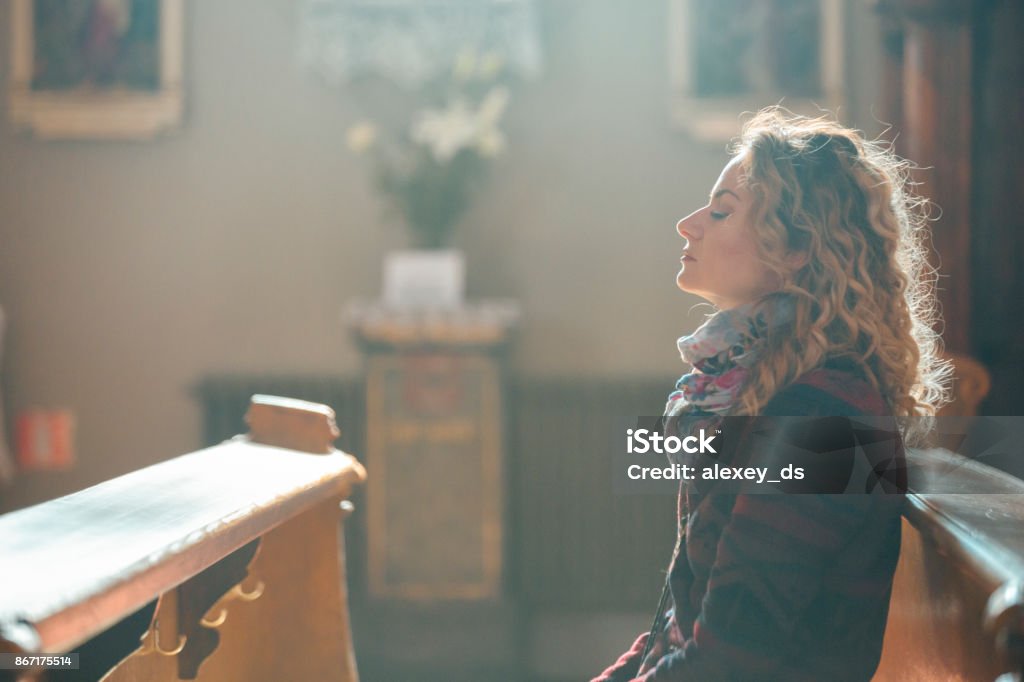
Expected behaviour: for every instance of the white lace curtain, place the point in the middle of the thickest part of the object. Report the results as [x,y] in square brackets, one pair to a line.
[413,41]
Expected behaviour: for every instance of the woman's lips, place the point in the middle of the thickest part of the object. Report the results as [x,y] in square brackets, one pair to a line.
[687,257]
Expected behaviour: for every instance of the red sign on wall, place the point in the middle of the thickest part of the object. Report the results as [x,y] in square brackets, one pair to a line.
[44,440]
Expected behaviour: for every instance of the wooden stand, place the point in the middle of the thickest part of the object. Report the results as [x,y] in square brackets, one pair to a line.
[436,520]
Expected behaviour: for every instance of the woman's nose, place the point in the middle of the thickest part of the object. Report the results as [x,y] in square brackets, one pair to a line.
[689,228]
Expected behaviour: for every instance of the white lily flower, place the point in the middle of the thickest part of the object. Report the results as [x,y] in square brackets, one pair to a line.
[361,136]
[490,66]
[464,66]
[493,106]
[435,137]
[447,131]
[490,143]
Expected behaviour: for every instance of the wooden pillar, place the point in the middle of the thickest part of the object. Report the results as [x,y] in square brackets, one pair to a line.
[937,116]
[891,98]
[998,201]
[932,39]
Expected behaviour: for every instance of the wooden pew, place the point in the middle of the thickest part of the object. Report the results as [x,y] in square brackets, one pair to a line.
[957,609]
[230,559]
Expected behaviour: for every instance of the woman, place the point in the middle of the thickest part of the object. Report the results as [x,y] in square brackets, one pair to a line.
[811,249]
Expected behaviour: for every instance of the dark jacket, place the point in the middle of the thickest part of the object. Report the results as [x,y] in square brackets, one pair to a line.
[786,586]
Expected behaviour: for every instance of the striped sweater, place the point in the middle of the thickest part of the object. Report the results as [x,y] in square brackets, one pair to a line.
[785,586]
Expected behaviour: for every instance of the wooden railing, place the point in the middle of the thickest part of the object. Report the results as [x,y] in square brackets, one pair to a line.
[230,559]
[957,610]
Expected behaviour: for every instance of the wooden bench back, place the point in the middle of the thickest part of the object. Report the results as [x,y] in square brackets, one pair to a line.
[957,610]
[239,545]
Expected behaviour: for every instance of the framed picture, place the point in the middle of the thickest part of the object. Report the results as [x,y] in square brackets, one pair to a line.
[731,56]
[96,68]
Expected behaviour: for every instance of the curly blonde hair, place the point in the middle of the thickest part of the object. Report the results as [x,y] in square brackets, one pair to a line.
[864,290]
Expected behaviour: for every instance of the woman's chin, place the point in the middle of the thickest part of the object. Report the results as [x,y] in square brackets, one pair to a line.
[686,285]
[681,281]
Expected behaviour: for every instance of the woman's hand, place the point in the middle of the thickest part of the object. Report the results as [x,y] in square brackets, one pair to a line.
[670,640]
[657,651]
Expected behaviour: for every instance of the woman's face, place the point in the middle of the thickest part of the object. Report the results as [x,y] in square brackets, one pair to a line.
[720,261]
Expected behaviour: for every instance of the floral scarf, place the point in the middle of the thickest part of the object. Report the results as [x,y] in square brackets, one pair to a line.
[722,352]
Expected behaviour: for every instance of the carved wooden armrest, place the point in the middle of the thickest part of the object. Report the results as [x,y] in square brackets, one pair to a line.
[1004,620]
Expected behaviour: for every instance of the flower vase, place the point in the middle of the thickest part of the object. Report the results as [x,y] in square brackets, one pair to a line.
[424,278]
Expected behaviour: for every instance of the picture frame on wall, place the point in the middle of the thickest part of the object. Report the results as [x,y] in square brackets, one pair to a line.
[96,69]
[727,57]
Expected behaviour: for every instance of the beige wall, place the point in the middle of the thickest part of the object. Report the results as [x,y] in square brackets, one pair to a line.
[131,270]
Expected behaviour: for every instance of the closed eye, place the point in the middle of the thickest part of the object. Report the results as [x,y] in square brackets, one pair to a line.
[718,215]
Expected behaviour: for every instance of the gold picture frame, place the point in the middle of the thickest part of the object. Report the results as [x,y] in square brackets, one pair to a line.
[723,63]
[98,97]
